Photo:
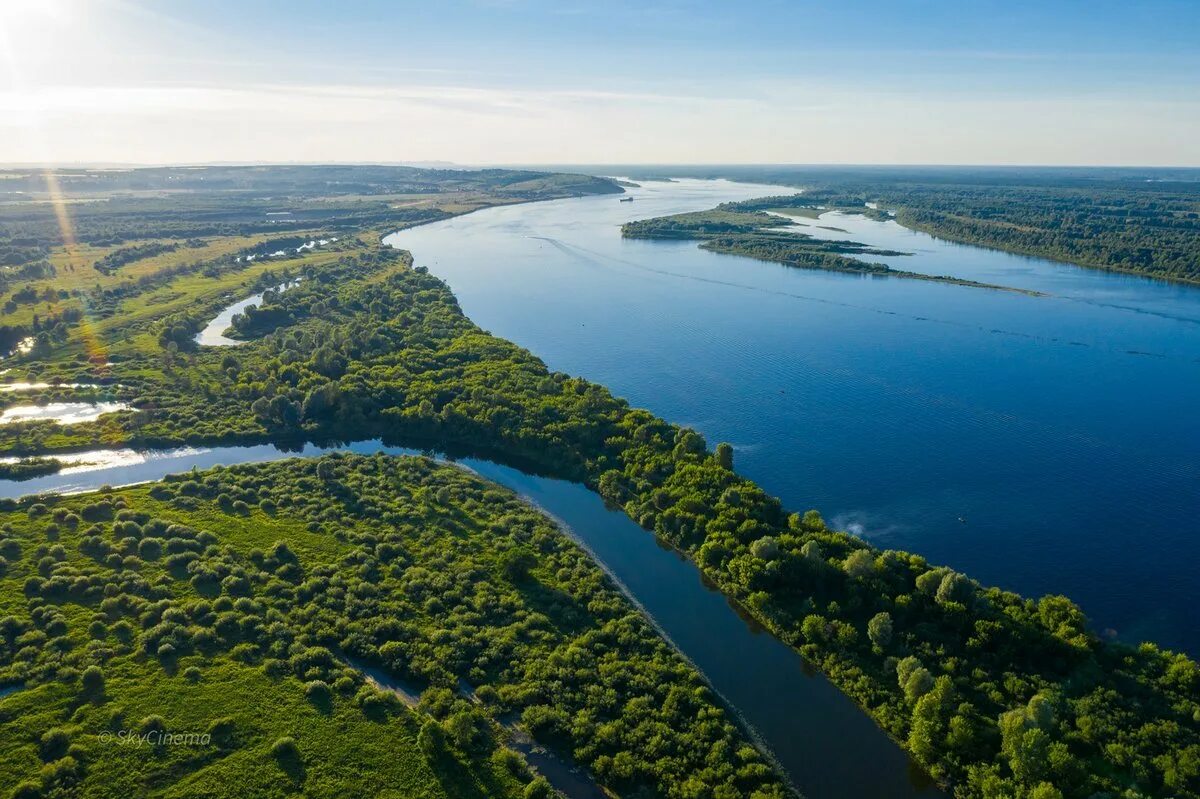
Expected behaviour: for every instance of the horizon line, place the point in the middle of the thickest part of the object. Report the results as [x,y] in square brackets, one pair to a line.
[439,164]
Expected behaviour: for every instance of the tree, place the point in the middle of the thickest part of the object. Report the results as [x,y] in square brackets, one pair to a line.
[913,678]
[462,729]
[321,401]
[811,552]
[765,548]
[1025,745]
[1045,790]
[930,581]
[956,588]
[812,520]
[538,789]
[724,456]
[431,739]
[517,563]
[860,564]
[929,720]
[879,629]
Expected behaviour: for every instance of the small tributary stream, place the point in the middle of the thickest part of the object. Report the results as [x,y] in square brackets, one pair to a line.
[827,745]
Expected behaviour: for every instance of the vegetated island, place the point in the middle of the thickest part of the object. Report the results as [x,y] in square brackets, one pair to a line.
[745,228]
[345,626]
[995,694]
[1138,220]
[29,468]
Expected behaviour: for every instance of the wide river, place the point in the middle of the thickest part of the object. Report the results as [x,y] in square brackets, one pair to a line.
[1043,444]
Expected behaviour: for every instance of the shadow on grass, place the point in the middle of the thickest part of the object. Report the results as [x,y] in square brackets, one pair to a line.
[460,782]
[293,766]
[322,703]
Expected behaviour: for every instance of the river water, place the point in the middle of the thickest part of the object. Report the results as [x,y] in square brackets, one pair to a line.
[1039,443]
[830,749]
[213,334]
[1043,444]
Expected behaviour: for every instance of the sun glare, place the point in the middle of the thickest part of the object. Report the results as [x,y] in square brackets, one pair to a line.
[31,30]
[16,12]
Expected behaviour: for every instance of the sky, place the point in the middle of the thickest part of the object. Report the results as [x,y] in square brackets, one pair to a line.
[531,82]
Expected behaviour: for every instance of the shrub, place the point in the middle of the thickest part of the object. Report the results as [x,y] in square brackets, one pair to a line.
[93,680]
[285,749]
[152,724]
[150,548]
[221,731]
[318,691]
[27,790]
[538,789]
[53,744]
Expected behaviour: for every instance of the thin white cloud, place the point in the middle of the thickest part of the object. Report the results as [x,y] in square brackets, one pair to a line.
[775,122]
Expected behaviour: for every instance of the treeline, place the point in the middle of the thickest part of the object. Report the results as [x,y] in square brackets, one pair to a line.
[744,228]
[1156,234]
[310,180]
[1127,231]
[189,217]
[1145,221]
[127,255]
[14,252]
[309,573]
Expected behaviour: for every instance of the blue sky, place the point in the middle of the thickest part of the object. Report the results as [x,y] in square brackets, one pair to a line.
[507,81]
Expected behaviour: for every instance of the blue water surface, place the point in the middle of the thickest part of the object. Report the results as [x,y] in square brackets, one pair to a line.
[1046,444]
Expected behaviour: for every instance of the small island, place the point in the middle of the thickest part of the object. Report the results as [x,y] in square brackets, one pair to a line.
[757,230]
[29,468]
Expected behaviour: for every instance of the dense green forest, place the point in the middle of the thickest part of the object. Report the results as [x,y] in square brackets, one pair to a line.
[242,603]
[1145,221]
[996,694]
[747,229]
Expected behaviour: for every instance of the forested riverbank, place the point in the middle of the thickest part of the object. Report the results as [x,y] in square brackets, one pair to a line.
[189,607]
[994,693]
[1139,221]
